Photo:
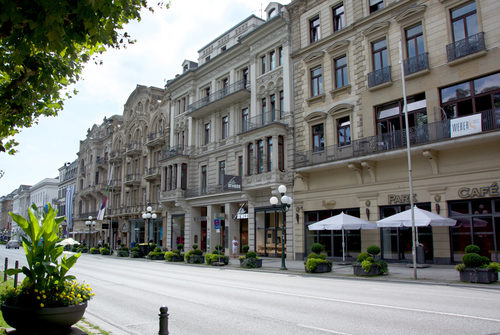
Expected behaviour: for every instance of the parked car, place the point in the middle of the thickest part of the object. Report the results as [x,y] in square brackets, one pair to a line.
[12,244]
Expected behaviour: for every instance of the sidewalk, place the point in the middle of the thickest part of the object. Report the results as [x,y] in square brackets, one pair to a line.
[398,272]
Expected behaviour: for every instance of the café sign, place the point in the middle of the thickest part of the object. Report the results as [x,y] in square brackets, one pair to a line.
[398,199]
[479,192]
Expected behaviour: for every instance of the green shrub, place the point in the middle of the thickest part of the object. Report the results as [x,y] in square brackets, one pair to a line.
[245,249]
[316,256]
[473,260]
[250,263]
[122,253]
[168,255]
[219,249]
[210,258]
[312,263]
[94,251]
[362,256]
[195,246]
[317,247]
[158,250]
[74,248]
[180,247]
[105,251]
[472,248]
[251,254]
[460,267]
[135,249]
[494,265]
[373,250]
[198,252]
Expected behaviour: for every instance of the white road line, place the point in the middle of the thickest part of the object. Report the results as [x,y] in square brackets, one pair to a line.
[370,304]
[323,330]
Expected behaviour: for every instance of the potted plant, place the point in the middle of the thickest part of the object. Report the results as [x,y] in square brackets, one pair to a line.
[105,250]
[476,268]
[194,256]
[156,254]
[217,257]
[250,260]
[174,256]
[49,301]
[94,251]
[123,252]
[135,252]
[317,262]
[367,265]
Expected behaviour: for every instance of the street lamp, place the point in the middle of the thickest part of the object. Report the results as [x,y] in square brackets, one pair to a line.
[285,202]
[148,216]
[90,223]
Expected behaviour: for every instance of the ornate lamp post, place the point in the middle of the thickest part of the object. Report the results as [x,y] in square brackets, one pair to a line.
[89,223]
[285,202]
[148,216]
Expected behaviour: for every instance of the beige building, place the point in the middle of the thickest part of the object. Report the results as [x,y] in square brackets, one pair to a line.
[350,127]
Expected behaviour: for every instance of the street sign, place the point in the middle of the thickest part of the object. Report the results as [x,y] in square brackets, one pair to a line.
[216,223]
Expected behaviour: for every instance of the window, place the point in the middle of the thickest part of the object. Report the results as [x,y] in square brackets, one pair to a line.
[282,104]
[379,54]
[184,176]
[475,96]
[260,156]
[264,111]
[464,21]
[272,102]
[250,159]
[224,84]
[207,59]
[244,119]
[222,172]
[314,34]
[281,154]
[341,72]
[244,75]
[207,91]
[169,178]
[207,133]
[280,56]
[344,131]
[225,126]
[240,166]
[223,49]
[204,179]
[269,159]
[376,5]
[263,64]
[318,138]
[338,17]
[414,41]
[316,81]
[272,60]
[174,177]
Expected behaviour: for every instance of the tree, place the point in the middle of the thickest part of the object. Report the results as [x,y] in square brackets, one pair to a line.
[44,45]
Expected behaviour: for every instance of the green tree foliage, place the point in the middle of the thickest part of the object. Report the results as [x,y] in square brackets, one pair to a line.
[44,45]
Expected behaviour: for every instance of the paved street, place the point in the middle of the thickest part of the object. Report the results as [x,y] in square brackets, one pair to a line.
[210,300]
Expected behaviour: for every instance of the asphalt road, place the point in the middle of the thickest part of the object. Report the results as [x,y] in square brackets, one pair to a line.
[211,300]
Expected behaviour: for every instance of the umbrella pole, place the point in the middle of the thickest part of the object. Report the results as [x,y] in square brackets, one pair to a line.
[410,180]
[343,247]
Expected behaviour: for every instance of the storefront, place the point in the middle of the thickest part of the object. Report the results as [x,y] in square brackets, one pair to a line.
[268,232]
[177,230]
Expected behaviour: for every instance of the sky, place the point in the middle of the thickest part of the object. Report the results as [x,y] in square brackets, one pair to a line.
[165,39]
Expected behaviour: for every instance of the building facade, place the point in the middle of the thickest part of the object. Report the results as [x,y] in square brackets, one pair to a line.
[20,205]
[66,195]
[351,133]
[6,206]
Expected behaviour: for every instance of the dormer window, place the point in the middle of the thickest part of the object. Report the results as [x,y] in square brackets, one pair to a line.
[272,13]
[185,68]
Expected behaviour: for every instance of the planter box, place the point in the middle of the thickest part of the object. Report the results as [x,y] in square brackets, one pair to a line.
[258,263]
[196,259]
[322,267]
[157,257]
[479,275]
[177,258]
[358,270]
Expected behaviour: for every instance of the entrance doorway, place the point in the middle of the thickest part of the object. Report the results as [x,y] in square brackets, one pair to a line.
[268,233]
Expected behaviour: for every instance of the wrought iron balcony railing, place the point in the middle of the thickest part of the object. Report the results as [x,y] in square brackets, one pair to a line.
[416,64]
[220,94]
[465,47]
[379,77]
[264,119]
[173,152]
[419,135]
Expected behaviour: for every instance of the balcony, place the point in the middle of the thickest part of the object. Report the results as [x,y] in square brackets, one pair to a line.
[379,77]
[227,95]
[101,161]
[155,139]
[172,195]
[132,179]
[209,190]
[174,152]
[416,64]
[152,173]
[134,149]
[425,134]
[263,120]
[467,46]
[115,156]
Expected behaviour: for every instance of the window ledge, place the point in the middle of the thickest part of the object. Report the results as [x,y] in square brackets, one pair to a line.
[417,74]
[467,58]
[342,90]
[379,86]
[316,99]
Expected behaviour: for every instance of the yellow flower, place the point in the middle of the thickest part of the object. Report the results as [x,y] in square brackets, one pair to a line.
[36,291]
[44,296]
[38,297]
[42,305]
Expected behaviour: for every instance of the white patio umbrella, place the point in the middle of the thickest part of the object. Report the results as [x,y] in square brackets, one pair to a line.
[68,241]
[342,222]
[423,218]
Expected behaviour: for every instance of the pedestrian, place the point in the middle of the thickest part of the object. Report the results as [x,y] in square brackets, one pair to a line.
[235,247]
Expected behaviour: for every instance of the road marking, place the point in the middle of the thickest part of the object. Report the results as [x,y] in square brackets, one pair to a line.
[372,305]
[323,330]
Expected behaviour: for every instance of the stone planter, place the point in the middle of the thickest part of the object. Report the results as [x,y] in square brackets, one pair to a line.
[178,258]
[357,269]
[48,320]
[248,263]
[322,267]
[196,259]
[157,257]
[479,275]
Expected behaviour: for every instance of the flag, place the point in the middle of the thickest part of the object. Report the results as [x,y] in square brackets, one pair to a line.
[70,192]
[102,210]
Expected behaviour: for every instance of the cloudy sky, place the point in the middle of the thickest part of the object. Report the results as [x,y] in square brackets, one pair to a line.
[164,40]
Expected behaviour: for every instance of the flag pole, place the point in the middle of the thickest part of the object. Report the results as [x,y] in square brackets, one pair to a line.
[410,179]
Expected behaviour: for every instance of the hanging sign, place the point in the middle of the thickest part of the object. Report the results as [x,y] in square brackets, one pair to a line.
[465,125]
